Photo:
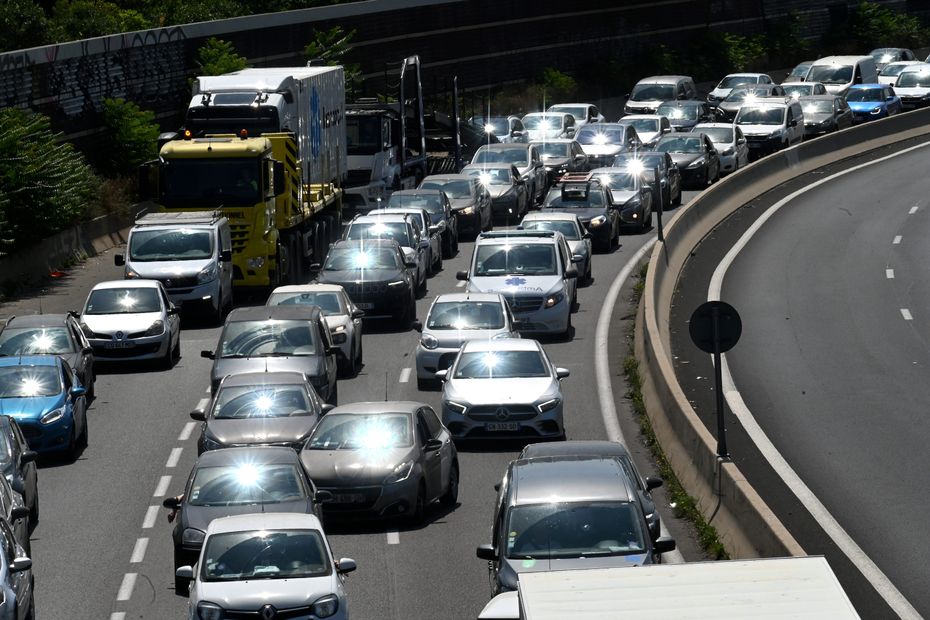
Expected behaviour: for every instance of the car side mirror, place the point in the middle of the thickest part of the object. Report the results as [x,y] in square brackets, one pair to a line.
[20,564]
[171,503]
[571,272]
[587,235]
[326,408]
[357,314]
[346,565]
[577,258]
[410,263]
[78,390]
[208,354]
[323,496]
[315,267]
[486,552]
[184,572]
[579,158]
[332,350]
[226,256]
[562,373]
[172,310]
[431,445]
[461,275]
[741,141]
[28,457]
[653,483]
[441,374]
[20,512]
[119,260]
[417,325]
[664,544]
[198,415]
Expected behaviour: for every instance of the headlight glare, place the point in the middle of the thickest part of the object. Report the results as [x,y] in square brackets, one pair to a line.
[548,405]
[554,300]
[395,283]
[696,163]
[598,221]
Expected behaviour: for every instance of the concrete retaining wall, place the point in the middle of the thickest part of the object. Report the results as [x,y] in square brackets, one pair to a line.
[747,526]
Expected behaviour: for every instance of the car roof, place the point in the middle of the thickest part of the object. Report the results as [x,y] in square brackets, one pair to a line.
[663,79]
[596,448]
[265,521]
[744,75]
[518,235]
[402,210]
[787,84]
[697,128]
[569,479]
[682,103]
[278,377]
[367,243]
[920,66]
[29,360]
[504,147]
[469,297]
[827,97]
[614,169]
[426,191]
[837,60]
[442,177]
[553,140]
[281,313]
[38,320]
[379,406]
[595,126]
[134,283]
[310,287]
[869,86]
[634,117]
[549,215]
[502,344]
[374,218]
[555,105]
[495,165]
[248,454]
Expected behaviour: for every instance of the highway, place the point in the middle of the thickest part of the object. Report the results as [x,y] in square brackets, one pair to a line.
[833,292]
[103,549]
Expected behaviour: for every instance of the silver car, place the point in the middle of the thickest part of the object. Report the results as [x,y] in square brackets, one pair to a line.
[342,316]
[527,160]
[430,236]
[16,582]
[579,239]
[509,195]
[399,228]
[730,144]
[384,459]
[267,565]
[129,320]
[503,388]
[454,319]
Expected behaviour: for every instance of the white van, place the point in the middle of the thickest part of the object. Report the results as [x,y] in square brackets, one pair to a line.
[190,253]
[838,73]
[770,124]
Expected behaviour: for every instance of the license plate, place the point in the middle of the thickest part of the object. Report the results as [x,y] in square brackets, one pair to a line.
[119,344]
[502,426]
[366,306]
[350,498]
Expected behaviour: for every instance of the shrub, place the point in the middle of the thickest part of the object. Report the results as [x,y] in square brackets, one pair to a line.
[130,139]
[216,57]
[557,86]
[872,25]
[22,24]
[82,19]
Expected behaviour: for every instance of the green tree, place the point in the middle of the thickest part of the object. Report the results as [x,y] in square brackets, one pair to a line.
[216,57]
[171,12]
[45,184]
[556,86]
[82,19]
[331,47]
[131,137]
[873,25]
[22,25]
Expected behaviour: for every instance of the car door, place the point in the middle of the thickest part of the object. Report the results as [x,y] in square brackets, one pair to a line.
[741,149]
[84,366]
[20,581]
[447,451]
[173,318]
[78,403]
[326,339]
[28,470]
[431,459]
[894,102]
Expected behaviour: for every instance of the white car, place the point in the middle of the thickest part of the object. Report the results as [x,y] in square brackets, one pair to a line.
[503,388]
[545,125]
[268,565]
[583,113]
[454,319]
[649,127]
[129,320]
[913,86]
[430,236]
[795,90]
[578,238]
[890,72]
[399,228]
[340,313]
[733,80]
[730,144]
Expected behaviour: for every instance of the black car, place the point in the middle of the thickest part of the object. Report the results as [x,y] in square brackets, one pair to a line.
[470,200]
[683,115]
[51,334]
[13,510]
[441,215]
[727,109]
[277,338]
[696,157]
[17,462]
[667,188]
[237,481]
[562,156]
[593,203]
[374,276]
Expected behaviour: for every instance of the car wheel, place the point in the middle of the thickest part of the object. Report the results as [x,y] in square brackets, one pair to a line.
[567,334]
[421,287]
[588,276]
[418,510]
[34,511]
[83,437]
[451,497]
[358,356]
[72,450]
[334,395]
[425,385]
[182,586]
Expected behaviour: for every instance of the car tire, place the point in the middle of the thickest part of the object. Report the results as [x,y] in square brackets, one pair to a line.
[34,511]
[425,385]
[85,434]
[451,496]
[589,276]
[421,287]
[334,395]
[181,585]
[91,391]
[418,510]
[569,331]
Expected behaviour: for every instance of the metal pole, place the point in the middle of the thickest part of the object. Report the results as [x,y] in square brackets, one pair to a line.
[718,380]
[455,124]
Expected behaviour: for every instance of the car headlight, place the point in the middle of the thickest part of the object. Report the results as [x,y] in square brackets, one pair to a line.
[598,221]
[501,336]
[877,110]
[727,151]
[697,163]
[400,473]
[207,274]
[456,407]
[130,274]
[156,329]
[554,300]
[428,341]
[548,405]
[326,606]
[192,537]
[53,416]
[209,611]
[256,262]
[468,210]
[396,283]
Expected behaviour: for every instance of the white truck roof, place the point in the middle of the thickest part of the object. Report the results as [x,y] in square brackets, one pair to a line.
[271,79]
[180,218]
[803,587]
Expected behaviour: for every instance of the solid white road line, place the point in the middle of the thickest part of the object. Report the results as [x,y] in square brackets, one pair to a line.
[896,240]
[162,487]
[889,273]
[173,458]
[404,375]
[138,552]
[151,515]
[393,537]
[186,431]
[906,314]
[125,588]
[830,525]
[913,210]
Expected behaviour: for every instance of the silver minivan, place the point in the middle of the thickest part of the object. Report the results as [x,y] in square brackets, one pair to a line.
[651,92]
[190,253]
[838,73]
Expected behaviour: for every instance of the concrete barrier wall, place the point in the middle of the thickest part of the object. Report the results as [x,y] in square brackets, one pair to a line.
[746,525]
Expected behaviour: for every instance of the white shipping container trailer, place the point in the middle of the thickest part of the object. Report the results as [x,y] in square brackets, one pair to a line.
[306,101]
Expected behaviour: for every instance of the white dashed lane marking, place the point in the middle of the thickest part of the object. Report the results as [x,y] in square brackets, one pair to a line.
[906,314]
[162,487]
[118,615]
[461,283]
[151,515]
[404,375]
[125,588]
[897,240]
[393,537]
[138,552]
[889,273]
[913,210]
[186,431]
[174,457]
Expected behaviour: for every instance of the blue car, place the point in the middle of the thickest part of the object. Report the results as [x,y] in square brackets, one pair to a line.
[872,101]
[47,400]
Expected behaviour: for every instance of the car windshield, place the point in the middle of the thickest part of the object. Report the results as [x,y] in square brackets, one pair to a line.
[265,554]
[818,107]
[676,112]
[268,338]
[553,149]
[345,259]
[501,365]
[831,74]
[593,134]
[731,81]
[568,228]
[466,315]
[515,258]
[240,402]
[893,69]
[799,90]
[35,341]
[517,157]
[363,135]
[723,135]
[742,94]
[491,176]
[679,144]
[453,189]
[560,198]
[29,381]
[884,54]
[760,115]
[574,530]
[580,112]
[380,230]
[800,71]
[122,301]
[329,302]
[246,483]
[402,201]
[652,92]
[913,79]
[644,125]
[170,245]
[543,122]
[646,161]
[865,94]
[619,180]
[348,431]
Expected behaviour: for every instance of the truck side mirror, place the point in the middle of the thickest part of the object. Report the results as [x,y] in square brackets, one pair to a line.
[278,178]
[148,180]
[119,260]
[226,256]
